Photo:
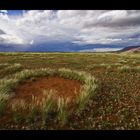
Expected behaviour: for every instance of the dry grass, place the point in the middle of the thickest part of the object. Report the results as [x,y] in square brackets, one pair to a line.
[116,102]
[48,104]
[63,112]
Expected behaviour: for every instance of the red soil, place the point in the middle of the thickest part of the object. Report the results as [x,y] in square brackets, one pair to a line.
[63,87]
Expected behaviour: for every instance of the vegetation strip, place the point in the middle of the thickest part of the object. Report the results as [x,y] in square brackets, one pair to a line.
[48,105]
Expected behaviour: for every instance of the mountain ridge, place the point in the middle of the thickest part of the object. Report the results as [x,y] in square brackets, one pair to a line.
[53,47]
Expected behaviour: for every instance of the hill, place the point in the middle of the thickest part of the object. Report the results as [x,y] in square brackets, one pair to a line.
[131,49]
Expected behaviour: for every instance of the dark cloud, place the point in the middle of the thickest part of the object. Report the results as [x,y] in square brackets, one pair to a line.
[109,24]
[132,18]
[137,35]
[1,32]
[126,22]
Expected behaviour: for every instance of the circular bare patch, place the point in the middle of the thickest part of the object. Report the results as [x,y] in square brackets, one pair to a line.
[59,86]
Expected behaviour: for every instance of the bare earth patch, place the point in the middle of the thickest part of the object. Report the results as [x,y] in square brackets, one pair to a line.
[65,88]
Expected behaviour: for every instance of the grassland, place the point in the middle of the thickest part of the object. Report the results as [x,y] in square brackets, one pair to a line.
[116,104]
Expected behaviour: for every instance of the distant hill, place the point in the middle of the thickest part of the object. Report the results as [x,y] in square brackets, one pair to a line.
[54,47]
[131,49]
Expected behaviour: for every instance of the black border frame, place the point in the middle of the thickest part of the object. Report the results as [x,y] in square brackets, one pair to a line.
[69,134]
[71,5]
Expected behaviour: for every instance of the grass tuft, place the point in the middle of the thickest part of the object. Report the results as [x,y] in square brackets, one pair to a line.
[48,105]
[63,110]
[3,101]
[18,108]
[88,90]
[124,68]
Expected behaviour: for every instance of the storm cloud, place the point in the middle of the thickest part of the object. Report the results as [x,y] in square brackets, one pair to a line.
[79,26]
[1,32]
[115,19]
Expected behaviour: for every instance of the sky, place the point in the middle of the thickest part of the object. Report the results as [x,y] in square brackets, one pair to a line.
[29,27]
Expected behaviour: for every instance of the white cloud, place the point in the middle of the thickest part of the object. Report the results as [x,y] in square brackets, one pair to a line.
[113,14]
[5,38]
[101,50]
[32,42]
[4,11]
[81,26]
